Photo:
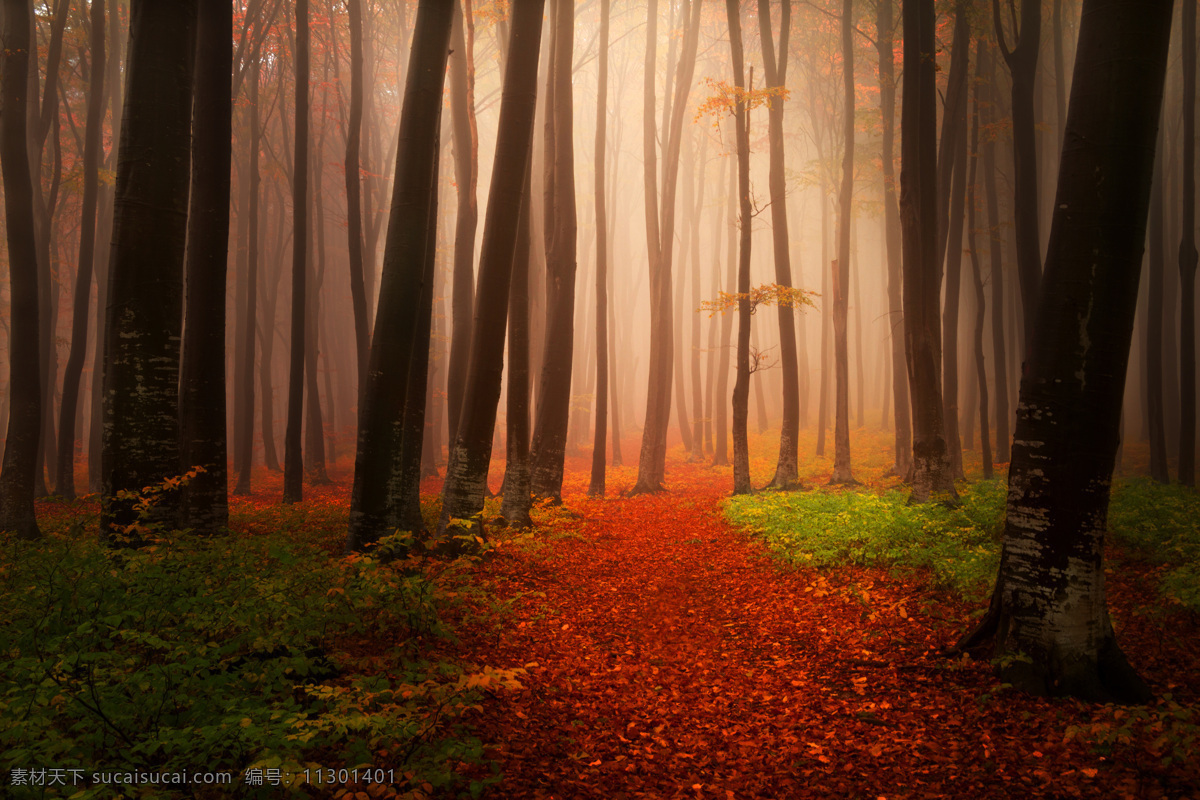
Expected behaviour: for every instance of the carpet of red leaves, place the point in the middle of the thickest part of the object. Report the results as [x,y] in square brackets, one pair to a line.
[668,656]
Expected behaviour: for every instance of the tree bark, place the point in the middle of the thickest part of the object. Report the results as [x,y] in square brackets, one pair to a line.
[600,438]
[922,276]
[293,457]
[381,419]
[145,310]
[891,221]
[204,503]
[466,472]
[17,476]
[1155,411]
[985,439]
[244,447]
[775,73]
[999,354]
[842,473]
[554,396]
[741,386]
[1188,258]
[354,220]
[64,482]
[1022,64]
[721,419]
[1049,601]
[517,497]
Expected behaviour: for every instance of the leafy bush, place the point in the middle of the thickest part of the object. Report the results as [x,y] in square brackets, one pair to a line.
[824,528]
[222,654]
[1162,524]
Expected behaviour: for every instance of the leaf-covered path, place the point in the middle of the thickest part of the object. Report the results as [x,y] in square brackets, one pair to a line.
[668,657]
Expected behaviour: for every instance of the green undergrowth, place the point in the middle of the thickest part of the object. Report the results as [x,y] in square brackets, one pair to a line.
[960,546]
[231,654]
[1161,523]
[828,528]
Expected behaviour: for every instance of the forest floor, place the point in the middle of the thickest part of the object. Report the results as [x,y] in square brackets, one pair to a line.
[668,655]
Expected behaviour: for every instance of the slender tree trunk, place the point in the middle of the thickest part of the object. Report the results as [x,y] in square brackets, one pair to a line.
[17,513]
[1188,258]
[1049,603]
[244,456]
[202,435]
[999,354]
[354,221]
[841,268]
[466,472]
[891,217]
[677,315]
[741,386]
[381,418]
[826,325]
[950,314]
[600,440]
[721,446]
[1022,64]
[68,411]
[775,73]
[660,239]
[145,311]
[517,497]
[698,413]
[922,277]
[1155,411]
[985,439]
[293,458]
[466,150]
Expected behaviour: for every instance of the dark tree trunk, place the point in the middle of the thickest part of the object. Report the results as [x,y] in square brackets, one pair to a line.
[25,414]
[1049,602]
[244,447]
[842,473]
[381,416]
[891,221]
[999,354]
[145,310]
[64,482]
[471,452]
[554,394]
[741,386]
[293,457]
[660,240]
[466,149]
[985,439]
[922,276]
[954,252]
[314,420]
[354,222]
[1188,258]
[517,497]
[1022,64]
[600,440]
[775,73]
[1155,412]
[204,505]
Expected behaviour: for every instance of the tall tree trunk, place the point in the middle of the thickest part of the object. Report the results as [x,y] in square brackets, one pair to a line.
[466,156]
[996,277]
[985,439]
[677,315]
[841,268]
[1188,258]
[554,396]
[17,513]
[600,440]
[891,221]
[354,220]
[244,455]
[660,240]
[385,390]
[1022,64]
[68,411]
[517,497]
[954,252]
[466,472]
[826,325]
[1049,601]
[293,458]
[775,74]
[721,420]
[1155,412]
[741,386]
[922,276]
[145,311]
[698,413]
[204,505]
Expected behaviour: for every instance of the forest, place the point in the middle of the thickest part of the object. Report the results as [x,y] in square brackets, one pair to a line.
[598,399]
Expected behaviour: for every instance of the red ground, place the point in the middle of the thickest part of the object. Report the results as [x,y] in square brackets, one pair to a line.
[668,657]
